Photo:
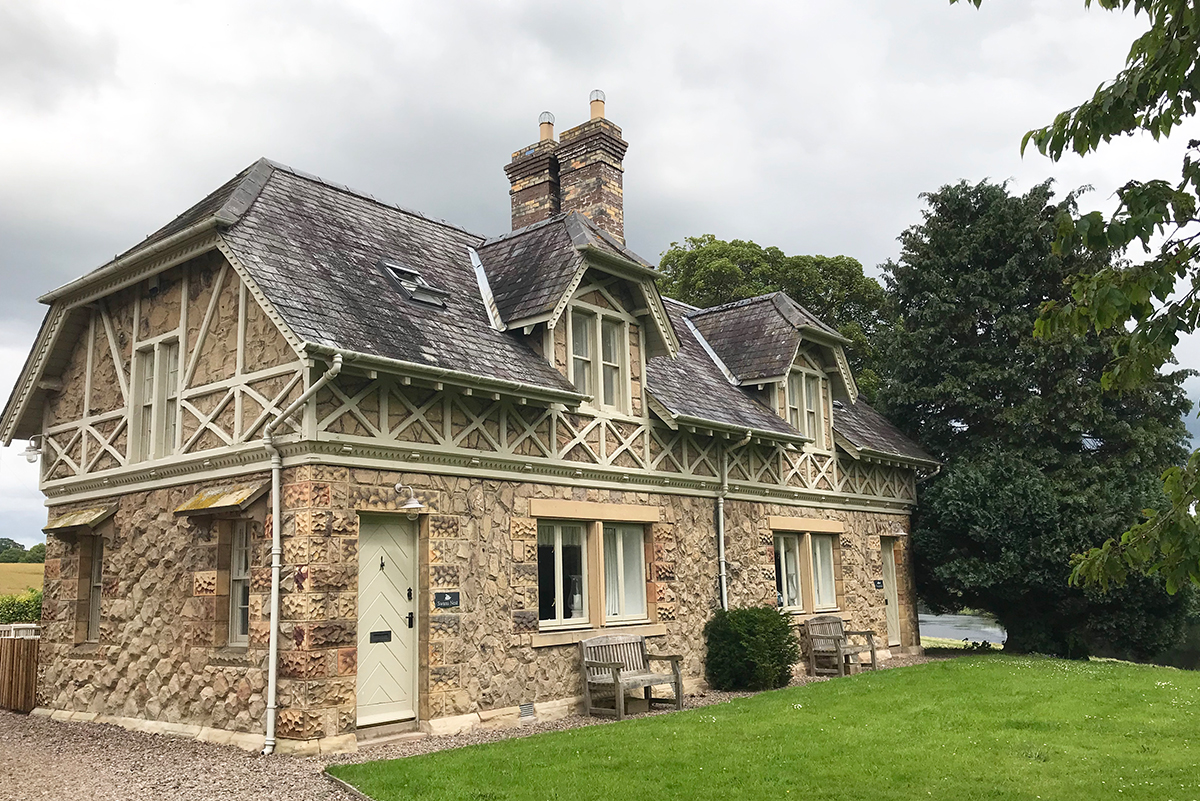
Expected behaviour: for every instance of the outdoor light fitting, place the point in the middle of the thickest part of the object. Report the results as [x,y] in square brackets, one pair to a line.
[412,507]
[32,451]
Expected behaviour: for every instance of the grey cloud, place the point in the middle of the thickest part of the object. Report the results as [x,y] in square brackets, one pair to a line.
[43,56]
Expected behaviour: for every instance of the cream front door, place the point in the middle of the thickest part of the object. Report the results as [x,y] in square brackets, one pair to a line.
[387,628]
[890,596]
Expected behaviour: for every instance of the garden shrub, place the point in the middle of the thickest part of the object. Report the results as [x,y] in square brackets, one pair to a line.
[750,649]
[24,607]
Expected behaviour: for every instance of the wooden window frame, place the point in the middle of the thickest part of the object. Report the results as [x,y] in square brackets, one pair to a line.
[239,578]
[623,530]
[156,399]
[795,541]
[596,319]
[796,406]
[558,622]
[805,532]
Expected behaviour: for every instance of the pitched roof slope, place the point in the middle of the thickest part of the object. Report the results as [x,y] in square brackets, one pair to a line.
[757,338]
[692,386]
[531,268]
[313,249]
[868,430]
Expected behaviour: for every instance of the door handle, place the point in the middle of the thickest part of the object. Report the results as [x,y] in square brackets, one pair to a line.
[410,620]
[410,593]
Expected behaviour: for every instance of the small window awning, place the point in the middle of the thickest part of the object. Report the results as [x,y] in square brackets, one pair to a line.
[227,498]
[75,522]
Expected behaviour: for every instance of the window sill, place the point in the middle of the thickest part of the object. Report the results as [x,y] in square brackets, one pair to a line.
[85,650]
[544,639]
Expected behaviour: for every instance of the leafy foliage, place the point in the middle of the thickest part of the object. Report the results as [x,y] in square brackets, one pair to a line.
[1041,462]
[12,555]
[6,543]
[25,607]
[706,271]
[1149,304]
[36,554]
[750,649]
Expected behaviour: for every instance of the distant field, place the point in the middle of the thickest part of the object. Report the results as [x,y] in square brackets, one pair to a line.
[17,577]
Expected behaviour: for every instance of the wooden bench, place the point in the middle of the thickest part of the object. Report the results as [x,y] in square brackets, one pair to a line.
[828,639]
[614,663]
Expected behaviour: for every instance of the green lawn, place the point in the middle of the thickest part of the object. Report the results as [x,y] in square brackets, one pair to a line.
[975,727]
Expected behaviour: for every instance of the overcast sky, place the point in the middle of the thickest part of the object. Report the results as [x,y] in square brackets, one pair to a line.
[813,126]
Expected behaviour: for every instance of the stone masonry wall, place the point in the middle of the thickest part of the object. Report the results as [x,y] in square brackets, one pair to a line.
[164,617]
[161,654]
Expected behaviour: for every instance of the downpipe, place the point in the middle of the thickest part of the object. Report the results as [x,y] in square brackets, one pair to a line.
[722,577]
[277,539]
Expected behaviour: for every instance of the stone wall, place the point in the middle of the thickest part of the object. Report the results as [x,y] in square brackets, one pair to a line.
[164,616]
[161,653]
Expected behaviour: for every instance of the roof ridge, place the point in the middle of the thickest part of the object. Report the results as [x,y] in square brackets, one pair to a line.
[308,176]
[491,240]
[736,303]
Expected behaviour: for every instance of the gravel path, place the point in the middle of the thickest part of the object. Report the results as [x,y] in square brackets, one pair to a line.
[43,758]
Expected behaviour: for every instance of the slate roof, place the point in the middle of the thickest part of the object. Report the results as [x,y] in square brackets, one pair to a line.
[867,429]
[692,385]
[314,248]
[757,338]
[530,269]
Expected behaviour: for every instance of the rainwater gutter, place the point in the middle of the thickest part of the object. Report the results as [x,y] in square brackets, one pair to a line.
[722,576]
[277,539]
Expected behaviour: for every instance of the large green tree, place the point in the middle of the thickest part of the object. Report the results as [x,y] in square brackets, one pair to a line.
[706,271]
[1040,462]
[1147,304]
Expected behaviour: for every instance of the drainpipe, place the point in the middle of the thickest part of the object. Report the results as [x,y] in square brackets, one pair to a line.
[277,538]
[721,517]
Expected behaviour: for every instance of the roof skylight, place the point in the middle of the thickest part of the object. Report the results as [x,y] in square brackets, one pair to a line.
[412,284]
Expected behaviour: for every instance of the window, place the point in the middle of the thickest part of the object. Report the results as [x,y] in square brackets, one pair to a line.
[787,572]
[158,400]
[607,336]
[824,592]
[805,577]
[239,584]
[581,351]
[624,572]
[804,405]
[412,284]
[95,588]
[562,574]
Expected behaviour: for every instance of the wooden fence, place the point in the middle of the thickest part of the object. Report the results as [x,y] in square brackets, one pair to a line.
[18,673]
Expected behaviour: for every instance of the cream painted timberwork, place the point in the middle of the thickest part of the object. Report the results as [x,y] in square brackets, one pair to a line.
[236,371]
[387,607]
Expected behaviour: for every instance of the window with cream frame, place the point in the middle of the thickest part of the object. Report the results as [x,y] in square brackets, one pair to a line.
[239,584]
[624,572]
[599,348]
[562,574]
[805,579]
[157,399]
[805,409]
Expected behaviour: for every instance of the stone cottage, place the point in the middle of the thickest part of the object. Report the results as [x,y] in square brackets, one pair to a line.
[316,463]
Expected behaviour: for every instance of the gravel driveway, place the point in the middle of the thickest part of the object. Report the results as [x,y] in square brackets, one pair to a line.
[44,758]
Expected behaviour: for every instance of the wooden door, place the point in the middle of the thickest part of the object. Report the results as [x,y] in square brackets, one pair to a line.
[890,595]
[387,626]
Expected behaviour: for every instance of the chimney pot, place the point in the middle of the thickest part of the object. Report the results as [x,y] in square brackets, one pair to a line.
[597,101]
[546,126]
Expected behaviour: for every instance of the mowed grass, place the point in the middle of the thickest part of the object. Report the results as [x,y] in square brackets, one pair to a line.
[18,577]
[975,727]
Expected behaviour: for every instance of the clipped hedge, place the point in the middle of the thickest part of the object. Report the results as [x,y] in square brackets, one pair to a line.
[24,607]
[750,649]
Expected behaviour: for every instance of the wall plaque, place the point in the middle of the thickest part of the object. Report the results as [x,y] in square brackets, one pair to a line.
[445,600]
[879,584]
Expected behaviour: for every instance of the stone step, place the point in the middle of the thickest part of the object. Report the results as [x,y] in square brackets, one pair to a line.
[403,732]
[390,739]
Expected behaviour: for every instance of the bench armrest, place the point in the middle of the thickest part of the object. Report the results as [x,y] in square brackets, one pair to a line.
[588,663]
[665,657]
[870,635]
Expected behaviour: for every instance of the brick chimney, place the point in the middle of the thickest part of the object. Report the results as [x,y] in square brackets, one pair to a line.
[580,172]
[533,173]
[590,173]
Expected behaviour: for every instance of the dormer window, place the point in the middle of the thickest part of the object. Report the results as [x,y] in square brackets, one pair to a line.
[804,407]
[599,353]
[412,284]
